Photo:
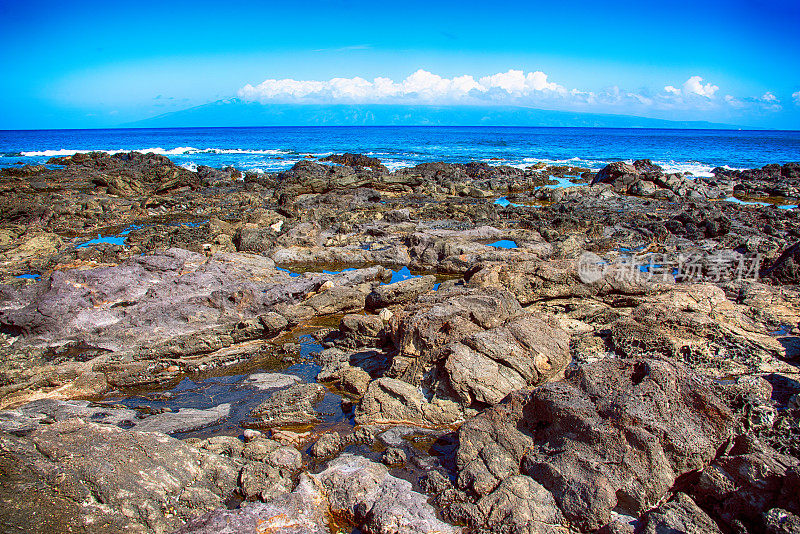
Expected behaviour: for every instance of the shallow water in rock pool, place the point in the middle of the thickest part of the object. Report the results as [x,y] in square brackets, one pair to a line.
[233,385]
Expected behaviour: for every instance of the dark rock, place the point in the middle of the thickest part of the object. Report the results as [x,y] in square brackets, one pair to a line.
[751,479]
[616,172]
[216,177]
[780,521]
[647,166]
[615,435]
[24,170]
[681,514]
[356,160]
[786,268]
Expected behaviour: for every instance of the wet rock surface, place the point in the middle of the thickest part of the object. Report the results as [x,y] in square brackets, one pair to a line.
[443,348]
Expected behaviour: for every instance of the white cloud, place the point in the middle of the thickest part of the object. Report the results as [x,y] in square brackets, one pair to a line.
[766,102]
[516,82]
[269,89]
[513,87]
[796,97]
[421,86]
[694,85]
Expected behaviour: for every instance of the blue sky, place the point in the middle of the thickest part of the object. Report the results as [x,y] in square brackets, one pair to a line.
[99,64]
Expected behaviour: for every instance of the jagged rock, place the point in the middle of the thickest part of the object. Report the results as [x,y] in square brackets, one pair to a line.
[356,160]
[263,481]
[365,493]
[292,406]
[486,366]
[700,326]
[229,446]
[681,514]
[422,330]
[79,476]
[216,177]
[301,511]
[391,401]
[273,453]
[614,435]
[328,444]
[519,504]
[184,420]
[786,268]
[311,177]
[399,292]
[351,379]
[780,521]
[616,172]
[394,456]
[363,330]
[739,487]
[32,415]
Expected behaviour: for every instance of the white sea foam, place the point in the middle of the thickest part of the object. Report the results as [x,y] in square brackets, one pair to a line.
[394,165]
[694,167]
[178,151]
[571,162]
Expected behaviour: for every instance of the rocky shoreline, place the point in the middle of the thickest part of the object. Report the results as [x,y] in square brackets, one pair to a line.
[443,348]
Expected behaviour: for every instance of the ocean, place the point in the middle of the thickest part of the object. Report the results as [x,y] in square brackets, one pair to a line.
[277,148]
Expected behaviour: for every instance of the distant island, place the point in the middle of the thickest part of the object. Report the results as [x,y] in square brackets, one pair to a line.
[238,113]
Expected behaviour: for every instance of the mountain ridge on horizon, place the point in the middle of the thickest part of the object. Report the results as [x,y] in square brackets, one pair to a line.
[237,113]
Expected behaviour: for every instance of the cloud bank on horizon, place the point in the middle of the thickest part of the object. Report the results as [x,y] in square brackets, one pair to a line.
[731,62]
[513,87]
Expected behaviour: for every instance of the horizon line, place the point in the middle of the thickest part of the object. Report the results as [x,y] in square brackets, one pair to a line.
[732,129]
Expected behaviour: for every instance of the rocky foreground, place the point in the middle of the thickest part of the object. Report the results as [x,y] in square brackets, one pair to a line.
[567,351]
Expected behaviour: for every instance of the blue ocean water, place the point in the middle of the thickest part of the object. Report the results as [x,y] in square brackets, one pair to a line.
[278,148]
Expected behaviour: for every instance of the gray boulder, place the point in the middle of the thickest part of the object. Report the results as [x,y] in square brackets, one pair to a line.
[486,366]
[392,401]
